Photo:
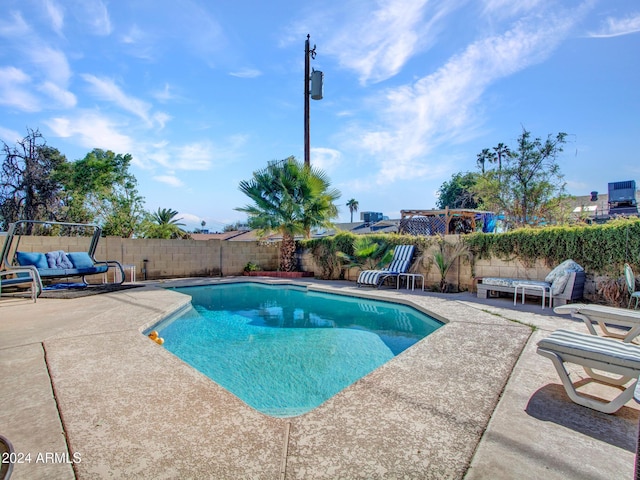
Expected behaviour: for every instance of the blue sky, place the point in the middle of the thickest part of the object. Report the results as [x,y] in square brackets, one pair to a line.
[204,92]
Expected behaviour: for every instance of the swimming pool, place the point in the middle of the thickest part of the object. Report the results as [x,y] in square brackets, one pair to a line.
[284,350]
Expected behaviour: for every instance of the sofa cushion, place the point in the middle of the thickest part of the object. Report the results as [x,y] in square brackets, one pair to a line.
[565,267]
[52,272]
[37,259]
[559,276]
[511,282]
[98,268]
[80,260]
[58,259]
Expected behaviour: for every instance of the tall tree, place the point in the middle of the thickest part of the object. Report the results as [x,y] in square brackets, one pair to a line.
[486,155]
[100,189]
[458,192]
[353,207]
[529,184]
[289,198]
[28,189]
[536,174]
[501,151]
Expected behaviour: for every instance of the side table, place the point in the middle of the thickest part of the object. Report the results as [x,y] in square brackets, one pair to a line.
[413,277]
[533,286]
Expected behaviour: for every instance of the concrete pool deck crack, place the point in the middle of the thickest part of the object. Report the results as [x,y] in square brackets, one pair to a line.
[285,451]
[499,397]
[60,414]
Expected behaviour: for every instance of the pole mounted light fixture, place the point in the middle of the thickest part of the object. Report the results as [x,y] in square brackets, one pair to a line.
[315,92]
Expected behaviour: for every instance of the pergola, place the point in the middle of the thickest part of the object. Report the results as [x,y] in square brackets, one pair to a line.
[433,222]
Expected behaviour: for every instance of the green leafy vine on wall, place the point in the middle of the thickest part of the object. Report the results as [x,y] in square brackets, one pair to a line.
[601,249]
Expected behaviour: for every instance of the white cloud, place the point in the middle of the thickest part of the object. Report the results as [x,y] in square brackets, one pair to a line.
[164,95]
[140,43]
[15,27]
[615,27]
[194,156]
[197,155]
[246,73]
[190,219]
[93,131]
[56,14]
[377,42]
[9,136]
[161,118]
[106,89]
[326,159]
[15,92]
[170,180]
[191,156]
[507,8]
[135,35]
[96,15]
[48,66]
[441,106]
[63,98]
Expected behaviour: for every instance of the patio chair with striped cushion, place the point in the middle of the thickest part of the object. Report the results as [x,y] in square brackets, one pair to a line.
[400,263]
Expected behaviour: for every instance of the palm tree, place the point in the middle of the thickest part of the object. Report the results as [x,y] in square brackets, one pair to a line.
[291,199]
[163,224]
[485,156]
[353,207]
[166,216]
[501,151]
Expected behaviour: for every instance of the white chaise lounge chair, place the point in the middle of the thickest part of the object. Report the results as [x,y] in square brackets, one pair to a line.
[400,263]
[593,352]
[605,317]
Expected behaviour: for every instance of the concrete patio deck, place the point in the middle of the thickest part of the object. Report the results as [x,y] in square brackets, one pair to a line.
[87,396]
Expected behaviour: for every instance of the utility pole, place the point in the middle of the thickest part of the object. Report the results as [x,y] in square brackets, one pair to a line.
[315,93]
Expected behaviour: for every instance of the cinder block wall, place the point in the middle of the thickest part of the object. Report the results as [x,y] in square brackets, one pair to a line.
[460,273]
[166,258]
[195,258]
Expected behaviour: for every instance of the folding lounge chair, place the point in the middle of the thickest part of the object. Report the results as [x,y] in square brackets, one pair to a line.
[593,352]
[605,317]
[399,264]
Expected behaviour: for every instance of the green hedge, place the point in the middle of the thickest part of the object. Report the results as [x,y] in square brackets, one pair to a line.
[599,249]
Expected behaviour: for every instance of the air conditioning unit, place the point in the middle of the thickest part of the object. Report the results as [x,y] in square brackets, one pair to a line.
[371,217]
[622,198]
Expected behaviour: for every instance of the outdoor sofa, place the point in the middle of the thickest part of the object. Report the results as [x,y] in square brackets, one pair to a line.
[565,284]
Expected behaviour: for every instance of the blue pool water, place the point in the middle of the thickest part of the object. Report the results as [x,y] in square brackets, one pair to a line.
[284,350]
